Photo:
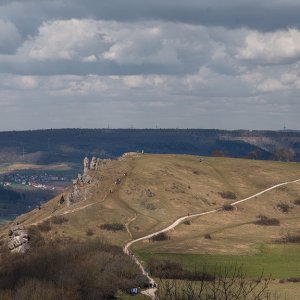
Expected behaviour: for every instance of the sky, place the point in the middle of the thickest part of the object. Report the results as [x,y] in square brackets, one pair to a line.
[231,64]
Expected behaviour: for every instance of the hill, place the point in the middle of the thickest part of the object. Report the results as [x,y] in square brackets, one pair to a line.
[157,189]
[139,194]
[70,145]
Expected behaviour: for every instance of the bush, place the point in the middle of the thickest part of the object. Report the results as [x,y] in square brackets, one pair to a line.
[45,226]
[264,220]
[297,201]
[187,222]
[113,227]
[35,238]
[207,236]
[172,270]
[227,195]
[69,270]
[163,236]
[228,207]
[62,200]
[283,207]
[149,205]
[58,220]
[293,279]
[89,232]
[290,238]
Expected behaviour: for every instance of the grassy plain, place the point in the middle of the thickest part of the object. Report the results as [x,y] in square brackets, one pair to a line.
[275,261]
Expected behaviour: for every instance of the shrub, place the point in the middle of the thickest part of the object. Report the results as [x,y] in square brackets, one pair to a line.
[162,236]
[227,195]
[297,201]
[35,238]
[45,226]
[283,207]
[207,236]
[149,193]
[293,279]
[149,205]
[113,227]
[89,232]
[173,270]
[264,220]
[228,207]
[290,238]
[69,270]
[58,220]
[187,222]
[62,199]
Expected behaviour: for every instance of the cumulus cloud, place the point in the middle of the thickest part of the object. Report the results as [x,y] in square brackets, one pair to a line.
[113,48]
[272,47]
[71,39]
[180,64]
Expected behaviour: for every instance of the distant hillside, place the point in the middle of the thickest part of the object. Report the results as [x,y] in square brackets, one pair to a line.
[70,145]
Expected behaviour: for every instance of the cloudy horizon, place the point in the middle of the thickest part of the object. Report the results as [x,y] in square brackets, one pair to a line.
[142,64]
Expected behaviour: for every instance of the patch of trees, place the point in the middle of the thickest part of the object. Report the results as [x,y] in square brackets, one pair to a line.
[113,227]
[290,238]
[283,154]
[162,236]
[297,201]
[228,207]
[227,195]
[266,221]
[172,270]
[225,283]
[68,270]
[283,207]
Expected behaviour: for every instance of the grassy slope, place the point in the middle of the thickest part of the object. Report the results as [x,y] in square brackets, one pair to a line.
[182,185]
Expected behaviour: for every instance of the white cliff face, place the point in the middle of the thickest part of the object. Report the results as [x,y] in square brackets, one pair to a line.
[18,241]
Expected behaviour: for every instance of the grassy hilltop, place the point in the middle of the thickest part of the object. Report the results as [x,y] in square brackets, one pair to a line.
[152,191]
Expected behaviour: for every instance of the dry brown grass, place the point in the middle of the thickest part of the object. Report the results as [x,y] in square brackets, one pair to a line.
[179,185]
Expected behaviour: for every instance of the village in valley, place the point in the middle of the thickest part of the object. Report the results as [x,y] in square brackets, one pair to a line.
[43,181]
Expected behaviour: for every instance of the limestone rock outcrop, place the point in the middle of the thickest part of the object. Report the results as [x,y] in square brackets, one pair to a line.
[85,165]
[18,241]
[93,164]
[80,184]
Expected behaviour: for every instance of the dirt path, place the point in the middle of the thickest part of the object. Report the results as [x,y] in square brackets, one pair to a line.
[128,223]
[151,291]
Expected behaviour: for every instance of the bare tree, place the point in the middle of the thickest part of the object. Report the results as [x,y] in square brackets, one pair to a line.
[230,284]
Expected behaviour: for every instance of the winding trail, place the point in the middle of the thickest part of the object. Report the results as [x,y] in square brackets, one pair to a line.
[151,291]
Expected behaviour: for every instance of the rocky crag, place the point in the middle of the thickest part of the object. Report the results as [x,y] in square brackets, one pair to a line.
[81,183]
[18,241]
